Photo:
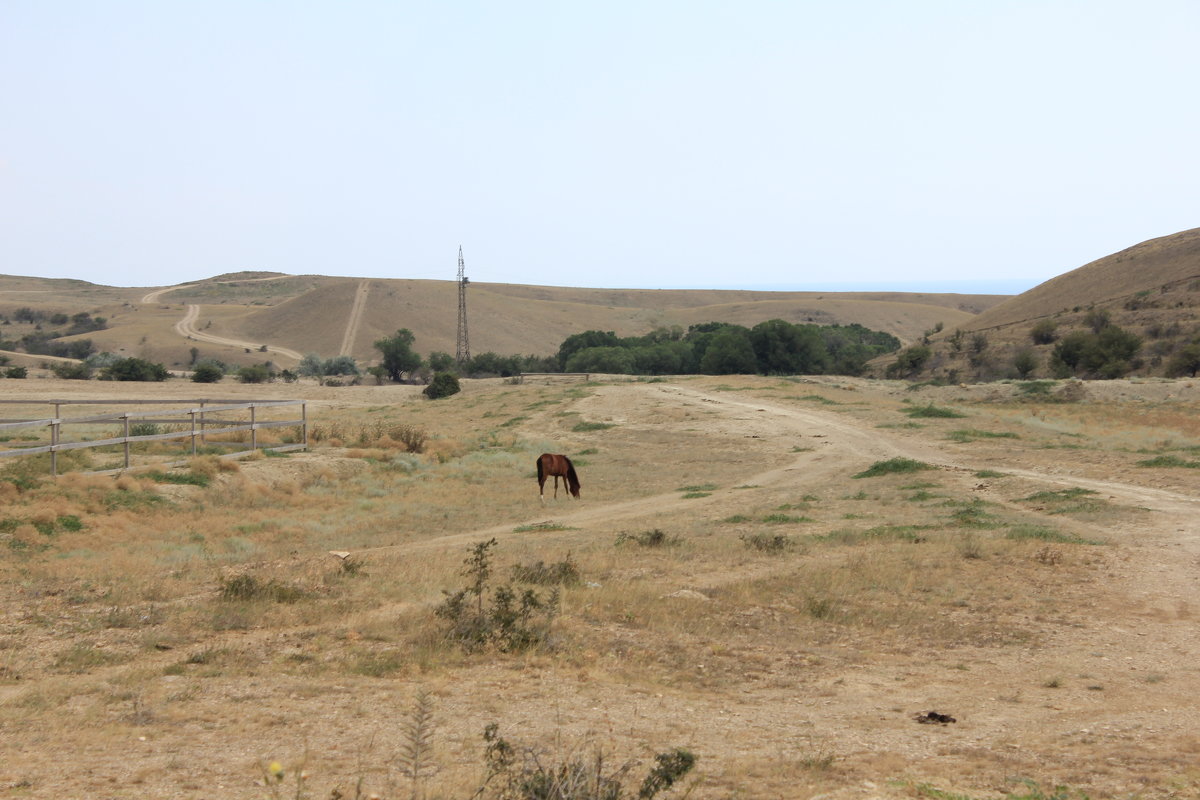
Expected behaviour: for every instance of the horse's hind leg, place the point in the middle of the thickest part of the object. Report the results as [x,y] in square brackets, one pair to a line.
[556,486]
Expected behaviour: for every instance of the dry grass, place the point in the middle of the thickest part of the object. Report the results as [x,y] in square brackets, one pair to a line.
[214,620]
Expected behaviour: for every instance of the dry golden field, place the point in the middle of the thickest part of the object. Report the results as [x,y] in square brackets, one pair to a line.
[733,584]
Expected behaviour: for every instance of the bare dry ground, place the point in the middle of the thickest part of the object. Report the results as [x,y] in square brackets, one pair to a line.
[743,593]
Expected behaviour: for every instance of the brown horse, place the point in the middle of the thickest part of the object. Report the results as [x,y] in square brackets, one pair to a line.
[557,465]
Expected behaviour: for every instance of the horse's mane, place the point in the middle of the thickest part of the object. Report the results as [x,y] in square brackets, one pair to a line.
[572,477]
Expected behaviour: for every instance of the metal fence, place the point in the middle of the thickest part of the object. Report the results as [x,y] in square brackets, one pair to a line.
[197,425]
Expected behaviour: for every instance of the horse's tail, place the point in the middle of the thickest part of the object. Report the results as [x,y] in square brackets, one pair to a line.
[541,469]
[572,478]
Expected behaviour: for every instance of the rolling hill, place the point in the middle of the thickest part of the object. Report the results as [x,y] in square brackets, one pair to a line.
[272,315]
[1151,289]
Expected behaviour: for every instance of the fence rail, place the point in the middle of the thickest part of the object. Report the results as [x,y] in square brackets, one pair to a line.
[197,422]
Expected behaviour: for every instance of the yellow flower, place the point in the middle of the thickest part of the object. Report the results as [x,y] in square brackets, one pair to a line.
[276,770]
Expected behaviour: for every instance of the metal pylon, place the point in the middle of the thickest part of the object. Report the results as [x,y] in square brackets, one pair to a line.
[463,353]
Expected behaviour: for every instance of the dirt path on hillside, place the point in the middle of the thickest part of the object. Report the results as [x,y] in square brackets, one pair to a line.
[186,328]
[356,314]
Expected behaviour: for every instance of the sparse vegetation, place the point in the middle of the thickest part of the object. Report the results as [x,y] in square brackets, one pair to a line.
[893,466]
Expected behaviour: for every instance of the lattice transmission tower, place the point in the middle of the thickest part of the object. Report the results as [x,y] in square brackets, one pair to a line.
[463,354]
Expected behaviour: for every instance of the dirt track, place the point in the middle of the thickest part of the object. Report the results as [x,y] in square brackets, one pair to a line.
[1102,696]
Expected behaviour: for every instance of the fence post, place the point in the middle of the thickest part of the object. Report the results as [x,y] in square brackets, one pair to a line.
[203,427]
[253,430]
[54,446]
[193,415]
[304,423]
[125,416]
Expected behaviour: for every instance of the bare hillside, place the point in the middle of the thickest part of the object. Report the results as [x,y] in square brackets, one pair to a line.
[248,317]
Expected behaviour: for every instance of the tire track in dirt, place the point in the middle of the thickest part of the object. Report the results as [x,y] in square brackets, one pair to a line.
[356,315]
[186,327]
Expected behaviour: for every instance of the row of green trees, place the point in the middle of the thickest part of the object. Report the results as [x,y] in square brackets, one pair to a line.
[774,347]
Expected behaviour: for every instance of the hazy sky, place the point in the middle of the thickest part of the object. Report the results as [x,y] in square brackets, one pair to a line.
[604,144]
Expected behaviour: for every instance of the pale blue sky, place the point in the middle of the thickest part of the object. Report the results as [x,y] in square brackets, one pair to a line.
[615,144]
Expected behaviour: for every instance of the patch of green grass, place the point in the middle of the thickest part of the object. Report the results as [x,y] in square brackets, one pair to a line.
[931,411]
[784,519]
[736,519]
[1075,500]
[911,487]
[583,427]
[508,423]
[906,533]
[130,500]
[180,478]
[893,466]
[1042,533]
[70,522]
[703,487]
[900,425]
[1169,461]
[921,497]
[989,473]
[816,398]
[694,495]
[972,515]
[1035,388]
[971,434]
[591,451]
[270,453]
[541,526]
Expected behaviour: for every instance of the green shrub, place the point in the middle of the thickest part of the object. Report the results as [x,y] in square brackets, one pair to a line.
[255,373]
[134,369]
[443,384]
[207,372]
[510,622]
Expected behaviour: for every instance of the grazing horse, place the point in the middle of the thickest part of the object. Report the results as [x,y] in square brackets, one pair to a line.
[555,464]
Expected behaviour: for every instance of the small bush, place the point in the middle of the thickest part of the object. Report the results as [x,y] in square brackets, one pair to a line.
[134,369]
[207,372]
[255,373]
[654,538]
[250,588]
[893,466]
[510,622]
[564,573]
[443,384]
[773,543]
[529,776]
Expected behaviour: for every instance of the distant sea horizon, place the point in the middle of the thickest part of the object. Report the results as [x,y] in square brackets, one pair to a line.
[1005,286]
